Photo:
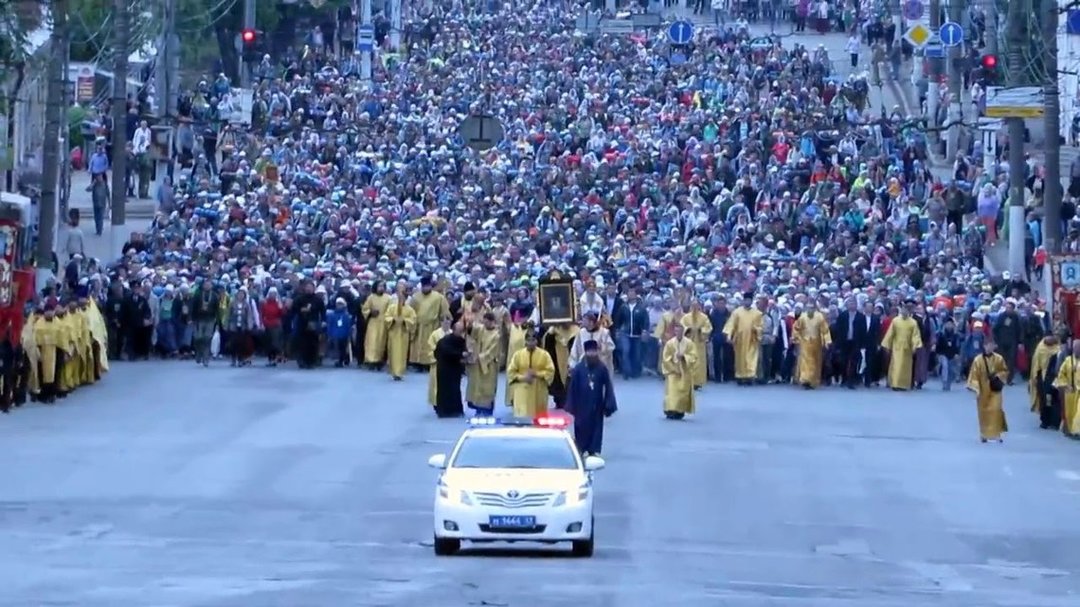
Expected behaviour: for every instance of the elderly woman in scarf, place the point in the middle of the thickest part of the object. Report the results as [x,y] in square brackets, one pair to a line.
[987,209]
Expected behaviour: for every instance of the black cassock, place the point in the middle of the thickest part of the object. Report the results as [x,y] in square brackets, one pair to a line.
[557,389]
[449,368]
[590,397]
[1049,396]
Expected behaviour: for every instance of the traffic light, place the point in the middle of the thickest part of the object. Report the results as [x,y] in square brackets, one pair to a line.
[989,64]
[251,44]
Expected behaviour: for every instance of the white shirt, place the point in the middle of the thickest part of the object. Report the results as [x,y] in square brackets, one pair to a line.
[592,302]
[140,143]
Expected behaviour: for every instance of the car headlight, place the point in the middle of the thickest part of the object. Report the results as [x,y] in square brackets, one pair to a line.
[452,495]
[573,497]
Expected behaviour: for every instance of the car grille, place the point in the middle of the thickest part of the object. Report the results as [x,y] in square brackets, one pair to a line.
[525,500]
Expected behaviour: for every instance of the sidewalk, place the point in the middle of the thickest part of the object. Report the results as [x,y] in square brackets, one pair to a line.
[106,247]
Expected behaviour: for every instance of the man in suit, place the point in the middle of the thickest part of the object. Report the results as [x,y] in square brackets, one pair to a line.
[631,325]
[871,345]
[851,328]
[613,305]
[723,355]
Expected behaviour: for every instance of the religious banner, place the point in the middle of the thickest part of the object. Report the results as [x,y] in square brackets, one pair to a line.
[1065,291]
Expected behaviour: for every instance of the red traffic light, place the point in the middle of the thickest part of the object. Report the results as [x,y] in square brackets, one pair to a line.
[247,36]
[989,61]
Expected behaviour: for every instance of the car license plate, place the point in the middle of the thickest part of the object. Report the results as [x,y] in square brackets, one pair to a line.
[510,521]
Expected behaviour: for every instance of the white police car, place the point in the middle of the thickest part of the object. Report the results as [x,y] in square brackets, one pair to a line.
[515,480]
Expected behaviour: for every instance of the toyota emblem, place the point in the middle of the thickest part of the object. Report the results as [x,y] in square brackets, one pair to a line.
[512,494]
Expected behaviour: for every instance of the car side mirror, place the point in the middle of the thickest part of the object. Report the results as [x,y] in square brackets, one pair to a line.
[437,461]
[594,462]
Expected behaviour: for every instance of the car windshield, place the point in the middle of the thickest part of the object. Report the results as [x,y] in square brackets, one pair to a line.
[539,452]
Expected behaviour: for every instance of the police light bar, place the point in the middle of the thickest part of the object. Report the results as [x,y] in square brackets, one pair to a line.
[552,421]
[543,421]
[483,421]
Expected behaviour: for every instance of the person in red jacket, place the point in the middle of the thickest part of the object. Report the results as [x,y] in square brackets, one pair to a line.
[272,313]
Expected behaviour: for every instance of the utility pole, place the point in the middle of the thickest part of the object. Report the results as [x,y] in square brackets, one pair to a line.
[249,23]
[1017,40]
[1052,189]
[933,92]
[51,159]
[898,21]
[992,28]
[956,81]
[69,98]
[167,84]
[122,16]
[395,25]
[365,55]
[168,66]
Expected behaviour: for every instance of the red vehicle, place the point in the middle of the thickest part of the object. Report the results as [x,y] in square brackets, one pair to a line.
[16,266]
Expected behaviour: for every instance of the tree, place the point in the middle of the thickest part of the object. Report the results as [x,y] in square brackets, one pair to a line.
[91,35]
[18,20]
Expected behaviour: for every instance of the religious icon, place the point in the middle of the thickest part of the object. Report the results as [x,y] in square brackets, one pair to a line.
[5,283]
[7,240]
[556,301]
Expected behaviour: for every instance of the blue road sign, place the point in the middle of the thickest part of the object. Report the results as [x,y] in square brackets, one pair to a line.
[678,58]
[952,33]
[914,9]
[681,32]
[365,38]
[934,50]
[1072,22]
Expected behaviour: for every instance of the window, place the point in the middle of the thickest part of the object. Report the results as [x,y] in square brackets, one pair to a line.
[547,453]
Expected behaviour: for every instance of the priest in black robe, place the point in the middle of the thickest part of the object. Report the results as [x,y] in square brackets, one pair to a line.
[590,398]
[1050,405]
[309,315]
[450,355]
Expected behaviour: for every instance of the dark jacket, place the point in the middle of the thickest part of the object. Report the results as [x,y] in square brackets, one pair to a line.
[947,344]
[858,330]
[633,324]
[873,334]
[719,317]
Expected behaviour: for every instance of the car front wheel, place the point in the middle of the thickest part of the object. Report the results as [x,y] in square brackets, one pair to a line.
[446,546]
[583,548]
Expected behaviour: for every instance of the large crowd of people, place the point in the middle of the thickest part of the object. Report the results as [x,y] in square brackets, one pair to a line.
[741,214]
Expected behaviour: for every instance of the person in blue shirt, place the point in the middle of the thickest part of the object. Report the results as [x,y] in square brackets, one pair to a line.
[99,163]
[339,328]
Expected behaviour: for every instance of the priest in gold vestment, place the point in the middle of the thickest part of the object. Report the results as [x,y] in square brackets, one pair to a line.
[744,329]
[48,339]
[400,321]
[1043,372]
[902,340]
[530,373]
[678,359]
[665,329]
[697,327]
[482,369]
[433,340]
[375,327]
[1068,381]
[430,307]
[67,379]
[515,341]
[811,335]
[987,380]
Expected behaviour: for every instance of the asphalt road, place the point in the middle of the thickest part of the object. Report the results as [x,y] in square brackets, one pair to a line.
[170,485]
